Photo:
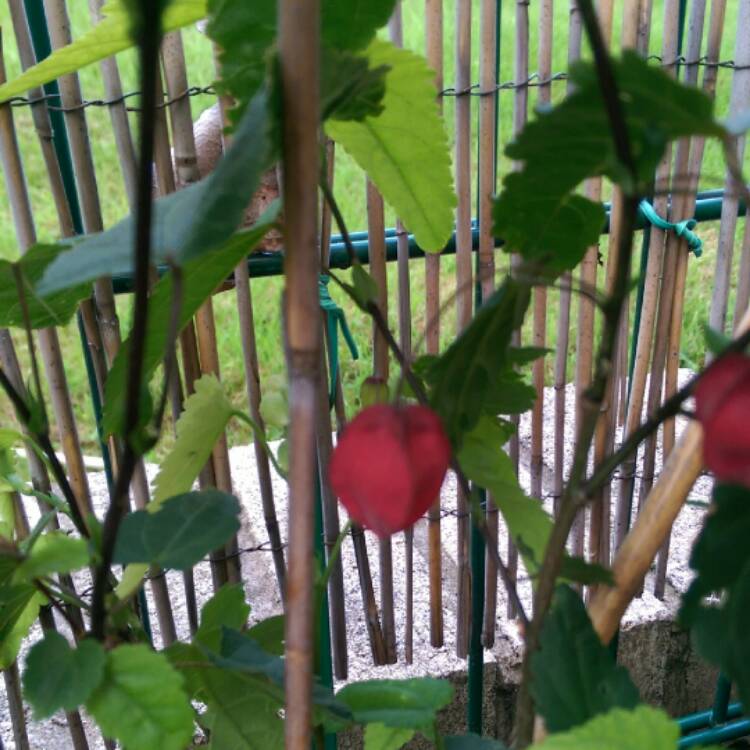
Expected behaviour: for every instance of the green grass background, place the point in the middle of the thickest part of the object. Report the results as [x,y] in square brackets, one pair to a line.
[349,186]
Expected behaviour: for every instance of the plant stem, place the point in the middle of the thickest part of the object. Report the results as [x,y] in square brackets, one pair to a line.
[148,32]
[594,395]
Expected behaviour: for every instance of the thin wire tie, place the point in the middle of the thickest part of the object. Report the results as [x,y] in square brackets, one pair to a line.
[681,228]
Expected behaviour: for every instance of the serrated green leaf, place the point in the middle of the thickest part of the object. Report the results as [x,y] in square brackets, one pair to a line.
[242,718]
[227,608]
[381,737]
[187,224]
[200,278]
[484,462]
[204,418]
[351,24]
[269,634]
[405,150]
[538,213]
[54,310]
[141,702]
[472,742]
[463,376]
[350,88]
[574,676]
[642,728]
[60,677]
[274,408]
[408,704]
[181,532]
[55,552]
[716,341]
[19,606]
[110,36]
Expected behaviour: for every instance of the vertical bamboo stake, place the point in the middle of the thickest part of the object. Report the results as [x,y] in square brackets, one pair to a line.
[743,277]
[376,234]
[15,706]
[585,333]
[488,45]
[650,294]
[520,114]
[118,113]
[463,287]
[396,30]
[739,101]
[539,336]
[685,208]
[563,317]
[434,44]
[299,64]
[600,528]
[187,170]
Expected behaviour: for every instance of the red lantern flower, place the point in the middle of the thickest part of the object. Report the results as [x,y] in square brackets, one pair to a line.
[388,466]
[722,405]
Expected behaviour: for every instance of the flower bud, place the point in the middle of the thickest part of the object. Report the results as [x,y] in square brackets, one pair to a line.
[389,465]
[373,391]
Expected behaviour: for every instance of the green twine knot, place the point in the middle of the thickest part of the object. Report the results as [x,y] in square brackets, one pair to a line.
[681,228]
[335,319]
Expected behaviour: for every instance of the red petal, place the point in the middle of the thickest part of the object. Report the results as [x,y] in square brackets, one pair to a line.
[726,443]
[720,379]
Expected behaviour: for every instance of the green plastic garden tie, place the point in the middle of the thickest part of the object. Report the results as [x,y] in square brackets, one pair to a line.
[681,228]
[335,319]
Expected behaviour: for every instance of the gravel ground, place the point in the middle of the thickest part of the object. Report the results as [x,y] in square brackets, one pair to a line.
[263,595]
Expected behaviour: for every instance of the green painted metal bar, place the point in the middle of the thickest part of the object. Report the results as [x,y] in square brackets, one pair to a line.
[702,719]
[324,661]
[721,700]
[715,735]
[40,40]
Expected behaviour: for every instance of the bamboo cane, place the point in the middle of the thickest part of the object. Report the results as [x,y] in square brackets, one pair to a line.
[118,113]
[187,170]
[396,32]
[520,115]
[486,268]
[298,63]
[650,295]
[600,524]
[434,50]
[376,234]
[463,289]
[743,277]
[539,335]
[585,332]
[685,208]
[575,31]
[739,101]
[12,681]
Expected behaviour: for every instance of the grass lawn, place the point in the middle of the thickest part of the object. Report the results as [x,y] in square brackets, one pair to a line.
[349,184]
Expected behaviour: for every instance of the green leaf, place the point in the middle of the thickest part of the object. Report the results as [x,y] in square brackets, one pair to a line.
[716,341]
[200,278]
[642,728]
[242,718]
[244,34]
[574,676]
[472,742]
[509,393]
[110,36]
[350,89]
[227,608]
[181,532]
[407,704]
[274,408]
[269,634]
[54,310]
[204,418]
[405,150]
[381,737]
[351,24]
[141,701]
[186,224]
[484,462]
[464,375]
[538,213]
[55,552]
[60,677]
[19,606]
[721,559]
